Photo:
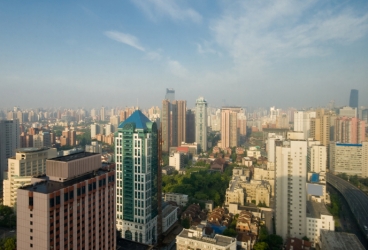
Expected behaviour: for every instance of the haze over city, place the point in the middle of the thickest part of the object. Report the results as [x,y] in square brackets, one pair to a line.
[120,53]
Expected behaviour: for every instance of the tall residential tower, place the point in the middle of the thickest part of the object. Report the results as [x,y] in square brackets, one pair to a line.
[201,124]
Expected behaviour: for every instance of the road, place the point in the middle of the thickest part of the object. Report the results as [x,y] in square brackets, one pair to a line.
[356,199]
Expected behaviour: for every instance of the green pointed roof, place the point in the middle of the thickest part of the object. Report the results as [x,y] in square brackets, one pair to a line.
[138,118]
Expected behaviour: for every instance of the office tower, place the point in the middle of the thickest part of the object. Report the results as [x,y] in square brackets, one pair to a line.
[9,141]
[201,124]
[93,112]
[190,126]
[354,101]
[282,121]
[349,130]
[137,179]
[42,139]
[72,207]
[291,175]
[102,114]
[26,163]
[95,130]
[170,95]
[351,159]
[229,129]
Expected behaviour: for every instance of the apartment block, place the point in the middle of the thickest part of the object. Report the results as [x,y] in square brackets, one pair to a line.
[26,163]
[71,207]
[180,199]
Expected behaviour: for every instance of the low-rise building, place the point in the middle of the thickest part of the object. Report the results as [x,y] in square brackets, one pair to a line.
[176,160]
[318,218]
[180,199]
[169,216]
[254,152]
[194,238]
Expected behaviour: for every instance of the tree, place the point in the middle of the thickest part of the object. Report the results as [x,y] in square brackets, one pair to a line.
[229,232]
[260,246]
[274,241]
[185,223]
[10,243]
[305,238]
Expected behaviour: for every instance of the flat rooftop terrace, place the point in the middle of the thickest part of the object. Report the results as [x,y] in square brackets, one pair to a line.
[47,186]
[73,157]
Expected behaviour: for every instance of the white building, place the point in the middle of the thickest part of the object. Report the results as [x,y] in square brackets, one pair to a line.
[95,147]
[318,218]
[26,163]
[169,216]
[290,190]
[254,152]
[351,159]
[176,160]
[95,129]
[317,157]
[272,140]
[348,112]
[201,124]
[137,192]
[108,129]
[195,238]
[180,199]
[302,122]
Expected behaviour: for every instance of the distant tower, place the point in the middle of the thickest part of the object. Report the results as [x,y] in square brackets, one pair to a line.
[353,102]
[170,95]
[102,113]
[201,123]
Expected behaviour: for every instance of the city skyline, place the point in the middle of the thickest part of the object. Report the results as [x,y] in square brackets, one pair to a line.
[233,54]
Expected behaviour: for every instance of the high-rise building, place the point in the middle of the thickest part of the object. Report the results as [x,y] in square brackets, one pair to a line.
[320,126]
[349,130]
[229,126]
[354,101]
[102,114]
[302,122]
[165,125]
[95,130]
[115,120]
[9,141]
[26,163]
[137,179]
[170,94]
[72,207]
[291,176]
[348,112]
[201,124]
[181,121]
[190,126]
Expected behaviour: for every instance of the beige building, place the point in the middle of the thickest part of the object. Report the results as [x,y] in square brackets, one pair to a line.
[180,199]
[254,152]
[234,193]
[26,163]
[229,126]
[351,159]
[320,126]
[70,208]
[196,238]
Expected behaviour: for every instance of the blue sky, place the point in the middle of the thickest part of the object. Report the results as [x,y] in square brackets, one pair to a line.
[247,53]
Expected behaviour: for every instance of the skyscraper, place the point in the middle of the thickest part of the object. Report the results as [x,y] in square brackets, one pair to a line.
[354,101]
[9,141]
[190,126]
[201,123]
[137,179]
[102,113]
[170,95]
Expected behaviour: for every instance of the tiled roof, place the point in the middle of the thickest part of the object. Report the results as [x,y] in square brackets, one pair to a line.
[138,118]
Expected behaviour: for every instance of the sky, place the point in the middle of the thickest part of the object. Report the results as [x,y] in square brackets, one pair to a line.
[123,53]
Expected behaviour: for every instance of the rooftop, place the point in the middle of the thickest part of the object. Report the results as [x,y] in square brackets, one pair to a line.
[30,150]
[340,241]
[138,118]
[219,240]
[73,157]
[316,209]
[46,186]
[124,244]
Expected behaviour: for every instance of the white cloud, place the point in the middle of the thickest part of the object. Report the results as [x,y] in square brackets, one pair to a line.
[158,8]
[177,69]
[259,32]
[125,38]
[154,55]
